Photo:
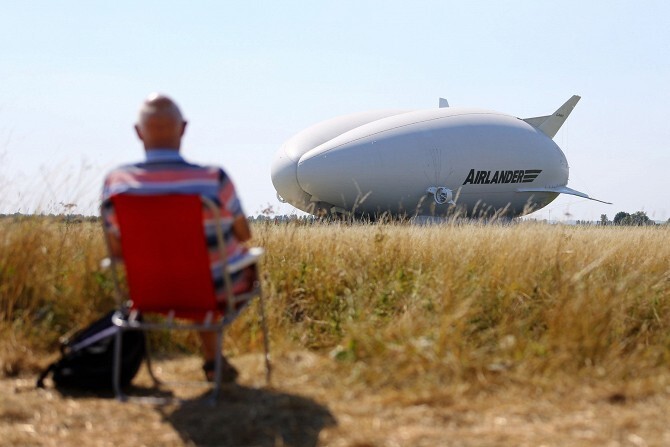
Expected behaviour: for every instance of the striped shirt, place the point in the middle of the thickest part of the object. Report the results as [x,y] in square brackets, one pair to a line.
[165,172]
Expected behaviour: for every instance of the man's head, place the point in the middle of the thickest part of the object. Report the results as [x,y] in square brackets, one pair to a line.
[160,124]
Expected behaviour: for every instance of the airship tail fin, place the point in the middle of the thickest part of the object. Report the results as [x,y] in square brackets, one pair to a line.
[562,190]
[550,124]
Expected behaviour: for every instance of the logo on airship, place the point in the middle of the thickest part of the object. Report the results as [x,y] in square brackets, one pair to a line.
[495,177]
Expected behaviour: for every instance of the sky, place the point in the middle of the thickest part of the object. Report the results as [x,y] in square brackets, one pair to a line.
[248,75]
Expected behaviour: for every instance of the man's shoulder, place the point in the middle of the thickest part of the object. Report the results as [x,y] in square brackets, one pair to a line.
[121,169]
[167,165]
[177,164]
[171,174]
[212,169]
[207,167]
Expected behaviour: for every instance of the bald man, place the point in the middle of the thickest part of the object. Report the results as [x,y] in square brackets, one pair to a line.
[160,127]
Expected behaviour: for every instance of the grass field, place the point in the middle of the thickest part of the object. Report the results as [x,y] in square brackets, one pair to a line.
[403,327]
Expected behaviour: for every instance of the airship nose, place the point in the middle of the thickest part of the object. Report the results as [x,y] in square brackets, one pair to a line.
[284,173]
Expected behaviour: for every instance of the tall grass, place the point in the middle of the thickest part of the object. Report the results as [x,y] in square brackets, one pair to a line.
[50,282]
[405,305]
[397,305]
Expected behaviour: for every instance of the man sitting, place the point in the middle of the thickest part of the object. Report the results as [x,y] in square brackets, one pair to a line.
[161,127]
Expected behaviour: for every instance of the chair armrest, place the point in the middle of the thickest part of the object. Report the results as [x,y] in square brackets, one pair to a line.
[249,258]
[106,263]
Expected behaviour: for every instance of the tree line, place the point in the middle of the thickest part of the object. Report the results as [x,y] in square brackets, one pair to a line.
[622,218]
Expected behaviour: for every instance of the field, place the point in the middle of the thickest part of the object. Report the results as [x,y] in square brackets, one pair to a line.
[382,335]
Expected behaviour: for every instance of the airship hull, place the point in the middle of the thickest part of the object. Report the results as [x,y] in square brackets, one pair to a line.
[394,162]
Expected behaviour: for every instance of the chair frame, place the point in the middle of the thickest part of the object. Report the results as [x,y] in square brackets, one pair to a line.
[213,321]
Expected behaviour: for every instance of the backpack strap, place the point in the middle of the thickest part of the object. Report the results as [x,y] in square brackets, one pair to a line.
[44,374]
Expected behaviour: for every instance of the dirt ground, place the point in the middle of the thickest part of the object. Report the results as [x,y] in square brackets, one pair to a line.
[307,406]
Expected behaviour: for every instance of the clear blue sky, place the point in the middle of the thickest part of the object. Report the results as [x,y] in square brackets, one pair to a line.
[248,75]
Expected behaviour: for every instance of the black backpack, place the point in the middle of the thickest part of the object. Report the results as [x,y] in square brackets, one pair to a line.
[87,358]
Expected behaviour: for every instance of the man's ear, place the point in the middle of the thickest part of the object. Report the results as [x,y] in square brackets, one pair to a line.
[138,132]
[183,128]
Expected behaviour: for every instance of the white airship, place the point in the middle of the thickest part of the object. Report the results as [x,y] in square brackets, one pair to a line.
[425,163]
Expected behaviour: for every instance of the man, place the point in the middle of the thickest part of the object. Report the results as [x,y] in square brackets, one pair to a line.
[161,127]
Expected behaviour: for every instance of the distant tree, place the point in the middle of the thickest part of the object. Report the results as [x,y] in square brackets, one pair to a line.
[621,215]
[604,220]
[638,219]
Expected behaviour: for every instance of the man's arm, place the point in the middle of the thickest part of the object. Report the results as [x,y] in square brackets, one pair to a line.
[230,206]
[111,229]
[114,244]
[241,229]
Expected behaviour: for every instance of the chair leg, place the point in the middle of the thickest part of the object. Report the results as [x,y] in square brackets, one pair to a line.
[147,349]
[266,341]
[218,367]
[116,376]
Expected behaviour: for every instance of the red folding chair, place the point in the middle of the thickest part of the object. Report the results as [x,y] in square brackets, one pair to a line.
[168,272]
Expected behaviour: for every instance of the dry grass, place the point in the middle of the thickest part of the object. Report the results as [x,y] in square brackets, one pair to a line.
[49,279]
[512,335]
[474,303]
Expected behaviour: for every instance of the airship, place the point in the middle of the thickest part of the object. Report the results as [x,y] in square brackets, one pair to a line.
[429,162]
